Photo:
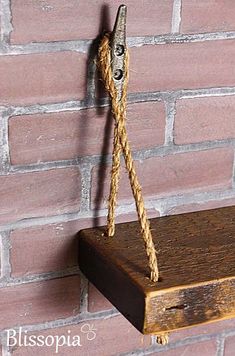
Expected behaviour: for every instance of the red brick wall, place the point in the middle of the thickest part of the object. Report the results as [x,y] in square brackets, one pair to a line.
[55,137]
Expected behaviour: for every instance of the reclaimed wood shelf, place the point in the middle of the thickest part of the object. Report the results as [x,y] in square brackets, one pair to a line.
[196,259]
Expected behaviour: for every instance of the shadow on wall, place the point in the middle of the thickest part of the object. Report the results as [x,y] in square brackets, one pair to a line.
[94,93]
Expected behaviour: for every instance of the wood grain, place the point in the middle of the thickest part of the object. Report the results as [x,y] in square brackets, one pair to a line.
[196,257]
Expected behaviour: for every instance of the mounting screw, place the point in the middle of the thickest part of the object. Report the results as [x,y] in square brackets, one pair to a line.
[119,50]
[118,74]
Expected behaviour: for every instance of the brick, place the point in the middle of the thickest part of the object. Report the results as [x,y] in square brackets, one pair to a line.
[26,195]
[182,66]
[172,174]
[58,20]
[42,78]
[96,300]
[127,217]
[186,208]
[207,348]
[112,336]
[53,247]
[39,302]
[229,346]
[48,248]
[205,329]
[204,119]
[207,16]
[67,135]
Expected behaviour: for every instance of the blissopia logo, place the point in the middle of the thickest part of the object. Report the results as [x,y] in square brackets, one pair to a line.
[22,338]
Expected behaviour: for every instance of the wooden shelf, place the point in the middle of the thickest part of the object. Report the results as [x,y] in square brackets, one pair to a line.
[196,259]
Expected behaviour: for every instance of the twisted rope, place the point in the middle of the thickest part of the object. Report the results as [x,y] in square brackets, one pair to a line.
[121,143]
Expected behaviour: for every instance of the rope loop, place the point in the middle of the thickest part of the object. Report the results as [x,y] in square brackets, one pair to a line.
[121,145]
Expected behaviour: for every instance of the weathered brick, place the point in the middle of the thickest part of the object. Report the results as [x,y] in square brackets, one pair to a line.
[106,342]
[204,119]
[56,20]
[229,346]
[51,192]
[54,247]
[127,217]
[42,78]
[207,16]
[96,300]
[173,174]
[48,248]
[205,329]
[182,66]
[206,348]
[66,135]
[186,208]
[39,302]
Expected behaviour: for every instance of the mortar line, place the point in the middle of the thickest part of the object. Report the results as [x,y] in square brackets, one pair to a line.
[170,119]
[83,46]
[63,322]
[179,38]
[177,94]
[75,105]
[5,349]
[220,346]
[5,256]
[84,293]
[80,46]
[85,170]
[162,204]
[46,166]
[233,173]
[176,16]
[34,278]
[6,25]
[198,198]
[174,345]
[41,221]
[153,340]
[138,155]
[133,98]
[4,144]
